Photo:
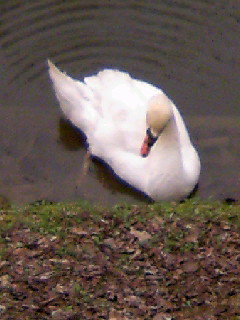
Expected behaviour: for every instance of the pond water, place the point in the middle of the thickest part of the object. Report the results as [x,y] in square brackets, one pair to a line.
[188,48]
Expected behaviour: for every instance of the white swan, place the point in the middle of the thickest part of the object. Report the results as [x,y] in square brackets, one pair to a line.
[114,111]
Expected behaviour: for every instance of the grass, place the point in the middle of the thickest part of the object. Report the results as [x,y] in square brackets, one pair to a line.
[57,218]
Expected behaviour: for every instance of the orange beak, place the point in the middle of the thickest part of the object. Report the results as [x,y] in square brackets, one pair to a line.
[148,142]
[145,148]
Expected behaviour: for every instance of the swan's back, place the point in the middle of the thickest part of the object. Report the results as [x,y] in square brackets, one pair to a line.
[110,107]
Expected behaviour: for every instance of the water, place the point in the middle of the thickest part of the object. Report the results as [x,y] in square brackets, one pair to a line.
[188,48]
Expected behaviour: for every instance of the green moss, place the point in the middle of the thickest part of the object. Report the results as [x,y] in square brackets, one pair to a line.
[58,218]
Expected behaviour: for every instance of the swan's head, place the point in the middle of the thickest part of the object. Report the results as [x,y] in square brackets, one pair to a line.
[158,115]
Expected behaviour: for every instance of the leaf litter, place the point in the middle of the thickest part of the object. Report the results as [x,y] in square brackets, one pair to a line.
[150,262]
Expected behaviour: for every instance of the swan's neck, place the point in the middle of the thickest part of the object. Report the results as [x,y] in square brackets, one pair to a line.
[167,144]
[167,166]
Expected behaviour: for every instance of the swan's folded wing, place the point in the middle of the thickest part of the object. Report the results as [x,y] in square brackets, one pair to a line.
[75,99]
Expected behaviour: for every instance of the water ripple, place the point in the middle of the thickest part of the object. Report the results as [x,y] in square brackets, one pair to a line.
[188,47]
[87,29]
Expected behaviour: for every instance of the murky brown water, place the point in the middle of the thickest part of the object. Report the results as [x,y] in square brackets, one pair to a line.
[188,48]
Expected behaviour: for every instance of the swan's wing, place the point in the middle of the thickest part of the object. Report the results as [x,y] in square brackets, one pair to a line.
[110,108]
[75,98]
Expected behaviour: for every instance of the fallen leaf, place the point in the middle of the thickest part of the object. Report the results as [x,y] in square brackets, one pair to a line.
[141,235]
[79,231]
[190,266]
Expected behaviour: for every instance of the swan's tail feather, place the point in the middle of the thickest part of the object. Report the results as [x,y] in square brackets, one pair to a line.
[75,99]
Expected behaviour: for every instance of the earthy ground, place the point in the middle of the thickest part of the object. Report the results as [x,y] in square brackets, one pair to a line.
[161,262]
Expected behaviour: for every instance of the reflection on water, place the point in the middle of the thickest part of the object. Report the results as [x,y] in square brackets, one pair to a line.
[188,48]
